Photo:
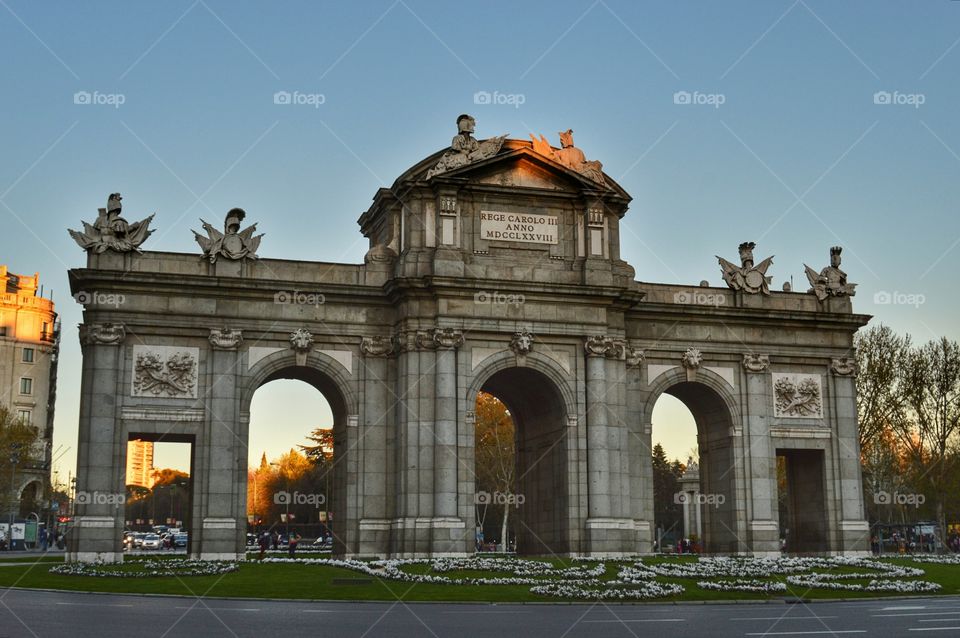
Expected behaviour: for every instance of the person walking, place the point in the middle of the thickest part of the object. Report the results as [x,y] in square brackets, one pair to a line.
[292,544]
[264,542]
[43,539]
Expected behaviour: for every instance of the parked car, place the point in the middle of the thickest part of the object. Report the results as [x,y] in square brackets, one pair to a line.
[180,540]
[151,541]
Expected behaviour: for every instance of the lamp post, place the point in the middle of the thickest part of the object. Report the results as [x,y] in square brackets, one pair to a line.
[14,459]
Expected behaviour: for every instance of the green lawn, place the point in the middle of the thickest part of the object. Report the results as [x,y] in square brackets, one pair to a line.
[314,582]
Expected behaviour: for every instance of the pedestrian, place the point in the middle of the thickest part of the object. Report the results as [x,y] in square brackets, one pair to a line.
[275,537]
[292,544]
[264,542]
[43,539]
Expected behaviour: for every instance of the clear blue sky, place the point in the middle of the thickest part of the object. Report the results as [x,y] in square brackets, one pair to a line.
[798,157]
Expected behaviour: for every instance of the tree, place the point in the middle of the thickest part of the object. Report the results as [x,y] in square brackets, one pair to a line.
[496,453]
[322,449]
[931,432]
[881,357]
[667,514]
[17,441]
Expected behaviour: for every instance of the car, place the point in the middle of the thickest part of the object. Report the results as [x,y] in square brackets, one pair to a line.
[138,539]
[180,540]
[252,540]
[151,541]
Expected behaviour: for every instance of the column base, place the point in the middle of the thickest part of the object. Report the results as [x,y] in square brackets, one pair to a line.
[610,537]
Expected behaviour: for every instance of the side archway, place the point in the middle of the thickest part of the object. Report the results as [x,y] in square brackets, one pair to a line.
[715,411]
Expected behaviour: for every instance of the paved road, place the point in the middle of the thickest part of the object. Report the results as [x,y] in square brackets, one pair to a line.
[39,614]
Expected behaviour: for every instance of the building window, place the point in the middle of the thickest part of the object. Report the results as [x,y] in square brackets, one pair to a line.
[26,385]
[24,416]
[27,355]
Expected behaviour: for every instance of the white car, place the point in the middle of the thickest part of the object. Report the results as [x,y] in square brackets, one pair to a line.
[151,541]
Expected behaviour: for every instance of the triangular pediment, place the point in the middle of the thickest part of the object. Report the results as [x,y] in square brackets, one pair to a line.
[517,165]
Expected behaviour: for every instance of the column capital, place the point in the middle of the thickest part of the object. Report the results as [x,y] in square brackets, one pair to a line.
[225,338]
[756,363]
[106,334]
[378,346]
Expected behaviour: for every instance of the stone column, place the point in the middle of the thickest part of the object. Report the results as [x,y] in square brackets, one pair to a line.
[761,464]
[374,524]
[448,529]
[854,531]
[222,511]
[99,513]
[609,530]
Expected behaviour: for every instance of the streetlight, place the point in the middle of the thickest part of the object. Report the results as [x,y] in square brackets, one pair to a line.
[14,459]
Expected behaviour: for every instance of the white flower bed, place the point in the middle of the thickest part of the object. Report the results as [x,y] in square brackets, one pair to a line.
[148,568]
[740,584]
[604,591]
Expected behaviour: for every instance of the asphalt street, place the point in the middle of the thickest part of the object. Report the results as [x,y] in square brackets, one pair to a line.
[35,614]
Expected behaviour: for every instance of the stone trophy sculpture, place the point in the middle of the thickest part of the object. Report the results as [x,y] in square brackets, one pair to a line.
[465,149]
[111,231]
[831,281]
[570,156]
[747,277]
[232,243]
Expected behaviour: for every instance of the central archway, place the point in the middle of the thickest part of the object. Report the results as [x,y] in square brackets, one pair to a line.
[539,413]
[324,376]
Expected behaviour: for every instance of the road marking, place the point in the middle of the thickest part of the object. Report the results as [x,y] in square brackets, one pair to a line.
[202,607]
[934,628]
[642,620]
[807,633]
[919,613]
[786,618]
[905,608]
[479,611]
[95,604]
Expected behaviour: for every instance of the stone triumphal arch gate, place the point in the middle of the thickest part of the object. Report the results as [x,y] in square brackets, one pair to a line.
[493,265]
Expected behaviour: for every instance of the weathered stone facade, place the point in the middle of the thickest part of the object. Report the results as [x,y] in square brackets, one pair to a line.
[502,273]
